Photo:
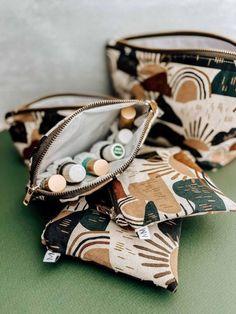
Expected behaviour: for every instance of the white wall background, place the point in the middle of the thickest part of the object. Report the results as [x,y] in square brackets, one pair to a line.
[52,46]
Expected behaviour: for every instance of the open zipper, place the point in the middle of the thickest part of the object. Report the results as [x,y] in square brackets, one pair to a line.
[33,188]
[208,51]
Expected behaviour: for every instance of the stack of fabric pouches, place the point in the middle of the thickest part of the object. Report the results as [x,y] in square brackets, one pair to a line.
[132,224]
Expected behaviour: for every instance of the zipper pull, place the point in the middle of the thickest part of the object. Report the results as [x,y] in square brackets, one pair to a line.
[153,105]
[29,194]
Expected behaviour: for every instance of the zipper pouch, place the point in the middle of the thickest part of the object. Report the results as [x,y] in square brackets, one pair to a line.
[192,76]
[28,123]
[78,133]
[162,184]
[80,231]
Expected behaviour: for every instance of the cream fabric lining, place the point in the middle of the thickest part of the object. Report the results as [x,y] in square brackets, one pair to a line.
[87,128]
[183,42]
[64,101]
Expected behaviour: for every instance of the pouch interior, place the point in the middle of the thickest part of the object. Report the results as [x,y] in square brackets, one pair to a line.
[65,100]
[84,130]
[177,41]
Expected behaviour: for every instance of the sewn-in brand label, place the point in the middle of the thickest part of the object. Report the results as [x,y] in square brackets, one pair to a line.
[51,257]
[160,113]
[143,233]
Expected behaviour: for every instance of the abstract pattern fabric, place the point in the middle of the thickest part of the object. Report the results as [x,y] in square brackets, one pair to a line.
[163,184]
[81,231]
[27,128]
[196,93]
[30,122]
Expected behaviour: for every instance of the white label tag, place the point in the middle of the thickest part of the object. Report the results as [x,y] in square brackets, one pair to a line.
[143,233]
[160,112]
[51,257]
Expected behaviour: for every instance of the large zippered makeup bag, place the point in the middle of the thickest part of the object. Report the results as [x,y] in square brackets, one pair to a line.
[192,76]
[29,122]
[77,133]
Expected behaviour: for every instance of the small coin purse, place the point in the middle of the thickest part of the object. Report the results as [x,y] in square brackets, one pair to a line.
[82,232]
[77,133]
[192,76]
[28,123]
[162,184]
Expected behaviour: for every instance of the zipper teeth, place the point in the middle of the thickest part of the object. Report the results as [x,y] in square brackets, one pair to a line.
[56,133]
[125,42]
[213,52]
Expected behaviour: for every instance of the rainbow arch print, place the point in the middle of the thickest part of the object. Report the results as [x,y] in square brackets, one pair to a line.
[189,84]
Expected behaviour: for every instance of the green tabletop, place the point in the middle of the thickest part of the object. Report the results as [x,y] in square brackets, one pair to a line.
[207,262]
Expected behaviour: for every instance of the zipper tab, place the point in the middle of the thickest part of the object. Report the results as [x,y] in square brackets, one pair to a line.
[29,194]
[153,105]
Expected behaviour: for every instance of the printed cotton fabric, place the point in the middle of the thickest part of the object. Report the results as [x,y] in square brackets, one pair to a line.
[81,231]
[196,93]
[163,184]
[26,129]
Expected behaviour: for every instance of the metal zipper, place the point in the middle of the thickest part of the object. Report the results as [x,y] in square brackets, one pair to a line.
[29,194]
[208,52]
[32,188]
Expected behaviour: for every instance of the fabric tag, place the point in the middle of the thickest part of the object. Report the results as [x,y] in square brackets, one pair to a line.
[51,257]
[143,233]
[160,112]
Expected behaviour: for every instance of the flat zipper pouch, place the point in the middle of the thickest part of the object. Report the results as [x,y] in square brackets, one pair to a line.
[162,184]
[28,123]
[77,133]
[80,231]
[192,76]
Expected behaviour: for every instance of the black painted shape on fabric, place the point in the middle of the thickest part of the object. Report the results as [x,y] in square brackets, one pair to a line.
[29,151]
[202,196]
[224,83]
[100,198]
[50,119]
[160,130]
[34,152]
[157,83]
[149,155]
[58,234]
[208,165]
[223,136]
[18,132]
[169,114]
[94,221]
[151,213]
[128,62]
[171,228]
[172,286]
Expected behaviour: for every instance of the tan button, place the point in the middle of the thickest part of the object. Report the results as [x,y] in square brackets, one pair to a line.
[56,183]
[127,116]
[101,167]
[97,167]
